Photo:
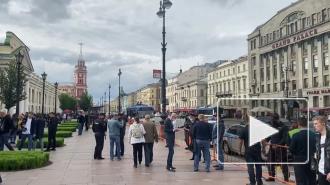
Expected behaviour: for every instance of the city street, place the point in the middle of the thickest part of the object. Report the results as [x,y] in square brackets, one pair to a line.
[73,165]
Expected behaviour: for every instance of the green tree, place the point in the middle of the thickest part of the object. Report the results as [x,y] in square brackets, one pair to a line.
[67,102]
[8,85]
[86,102]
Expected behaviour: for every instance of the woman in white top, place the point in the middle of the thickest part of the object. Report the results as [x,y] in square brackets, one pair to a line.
[136,138]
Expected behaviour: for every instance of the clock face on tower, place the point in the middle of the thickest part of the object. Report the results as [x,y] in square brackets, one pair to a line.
[80,75]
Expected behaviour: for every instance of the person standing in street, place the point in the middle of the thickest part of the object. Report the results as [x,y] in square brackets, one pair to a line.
[322,149]
[217,136]
[99,128]
[52,129]
[114,127]
[300,149]
[203,134]
[81,120]
[170,129]
[193,118]
[6,125]
[252,155]
[123,120]
[136,138]
[39,132]
[28,131]
[151,136]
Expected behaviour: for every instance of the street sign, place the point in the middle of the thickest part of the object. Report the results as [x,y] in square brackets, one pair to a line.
[157,74]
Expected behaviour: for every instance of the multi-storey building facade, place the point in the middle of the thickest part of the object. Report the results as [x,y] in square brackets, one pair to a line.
[229,79]
[149,95]
[289,55]
[33,85]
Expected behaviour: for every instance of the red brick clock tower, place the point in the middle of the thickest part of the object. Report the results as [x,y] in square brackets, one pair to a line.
[80,75]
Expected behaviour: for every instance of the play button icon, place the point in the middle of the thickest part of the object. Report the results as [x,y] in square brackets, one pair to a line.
[259,130]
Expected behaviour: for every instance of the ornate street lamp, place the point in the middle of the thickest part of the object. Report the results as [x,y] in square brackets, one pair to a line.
[109,99]
[43,75]
[56,86]
[164,4]
[19,57]
[119,105]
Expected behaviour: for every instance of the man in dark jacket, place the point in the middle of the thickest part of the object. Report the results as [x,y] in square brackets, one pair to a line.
[217,136]
[81,120]
[194,120]
[278,152]
[323,149]
[203,133]
[99,128]
[6,125]
[52,129]
[303,151]
[170,129]
[122,119]
[39,132]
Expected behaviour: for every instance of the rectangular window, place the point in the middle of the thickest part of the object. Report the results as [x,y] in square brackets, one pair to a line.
[239,69]
[306,83]
[314,19]
[238,85]
[275,87]
[294,84]
[326,101]
[326,81]
[234,71]
[275,71]
[282,86]
[326,61]
[261,74]
[244,84]
[262,89]
[315,101]
[254,74]
[315,63]
[253,61]
[303,23]
[294,67]
[315,82]
[229,88]
[268,73]
[268,88]
[234,87]
[244,67]
[324,15]
[305,65]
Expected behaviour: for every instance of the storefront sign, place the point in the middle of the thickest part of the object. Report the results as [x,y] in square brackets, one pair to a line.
[324,91]
[156,74]
[296,38]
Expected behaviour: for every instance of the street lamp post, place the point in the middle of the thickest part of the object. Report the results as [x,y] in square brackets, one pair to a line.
[56,86]
[119,105]
[44,75]
[105,102]
[164,4]
[286,69]
[19,58]
[109,99]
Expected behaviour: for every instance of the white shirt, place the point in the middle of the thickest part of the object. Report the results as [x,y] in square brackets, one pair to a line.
[28,126]
[321,163]
[134,140]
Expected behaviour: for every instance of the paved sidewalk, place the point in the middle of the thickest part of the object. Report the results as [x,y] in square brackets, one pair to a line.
[74,165]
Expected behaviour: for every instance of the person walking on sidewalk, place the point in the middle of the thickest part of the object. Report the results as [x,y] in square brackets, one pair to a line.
[203,134]
[81,120]
[217,136]
[322,149]
[52,129]
[99,128]
[151,136]
[28,131]
[136,138]
[39,131]
[6,125]
[170,129]
[114,126]
[123,120]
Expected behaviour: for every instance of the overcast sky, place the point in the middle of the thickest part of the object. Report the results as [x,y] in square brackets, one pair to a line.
[126,34]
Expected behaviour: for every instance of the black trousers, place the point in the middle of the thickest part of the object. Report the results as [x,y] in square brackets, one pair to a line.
[170,140]
[304,175]
[322,179]
[99,139]
[148,153]
[278,155]
[51,138]
[137,152]
[122,146]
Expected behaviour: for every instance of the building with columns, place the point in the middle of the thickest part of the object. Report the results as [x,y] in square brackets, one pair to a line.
[229,79]
[289,55]
[79,86]
[33,87]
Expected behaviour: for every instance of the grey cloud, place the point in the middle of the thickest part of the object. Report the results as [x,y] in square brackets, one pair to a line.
[51,10]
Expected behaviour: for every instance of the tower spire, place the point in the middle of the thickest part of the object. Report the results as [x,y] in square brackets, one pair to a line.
[81,45]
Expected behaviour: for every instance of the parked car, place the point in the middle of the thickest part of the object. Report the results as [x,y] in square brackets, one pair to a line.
[231,140]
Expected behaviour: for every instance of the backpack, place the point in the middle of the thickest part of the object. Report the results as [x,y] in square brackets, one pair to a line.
[136,131]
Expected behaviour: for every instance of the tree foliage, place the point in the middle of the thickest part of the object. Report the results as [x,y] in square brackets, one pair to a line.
[86,101]
[8,85]
[67,102]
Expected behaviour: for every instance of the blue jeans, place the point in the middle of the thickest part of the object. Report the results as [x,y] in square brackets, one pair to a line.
[114,140]
[80,128]
[30,141]
[202,145]
[221,157]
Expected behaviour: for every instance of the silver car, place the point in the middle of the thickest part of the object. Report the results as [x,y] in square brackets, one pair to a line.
[231,140]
